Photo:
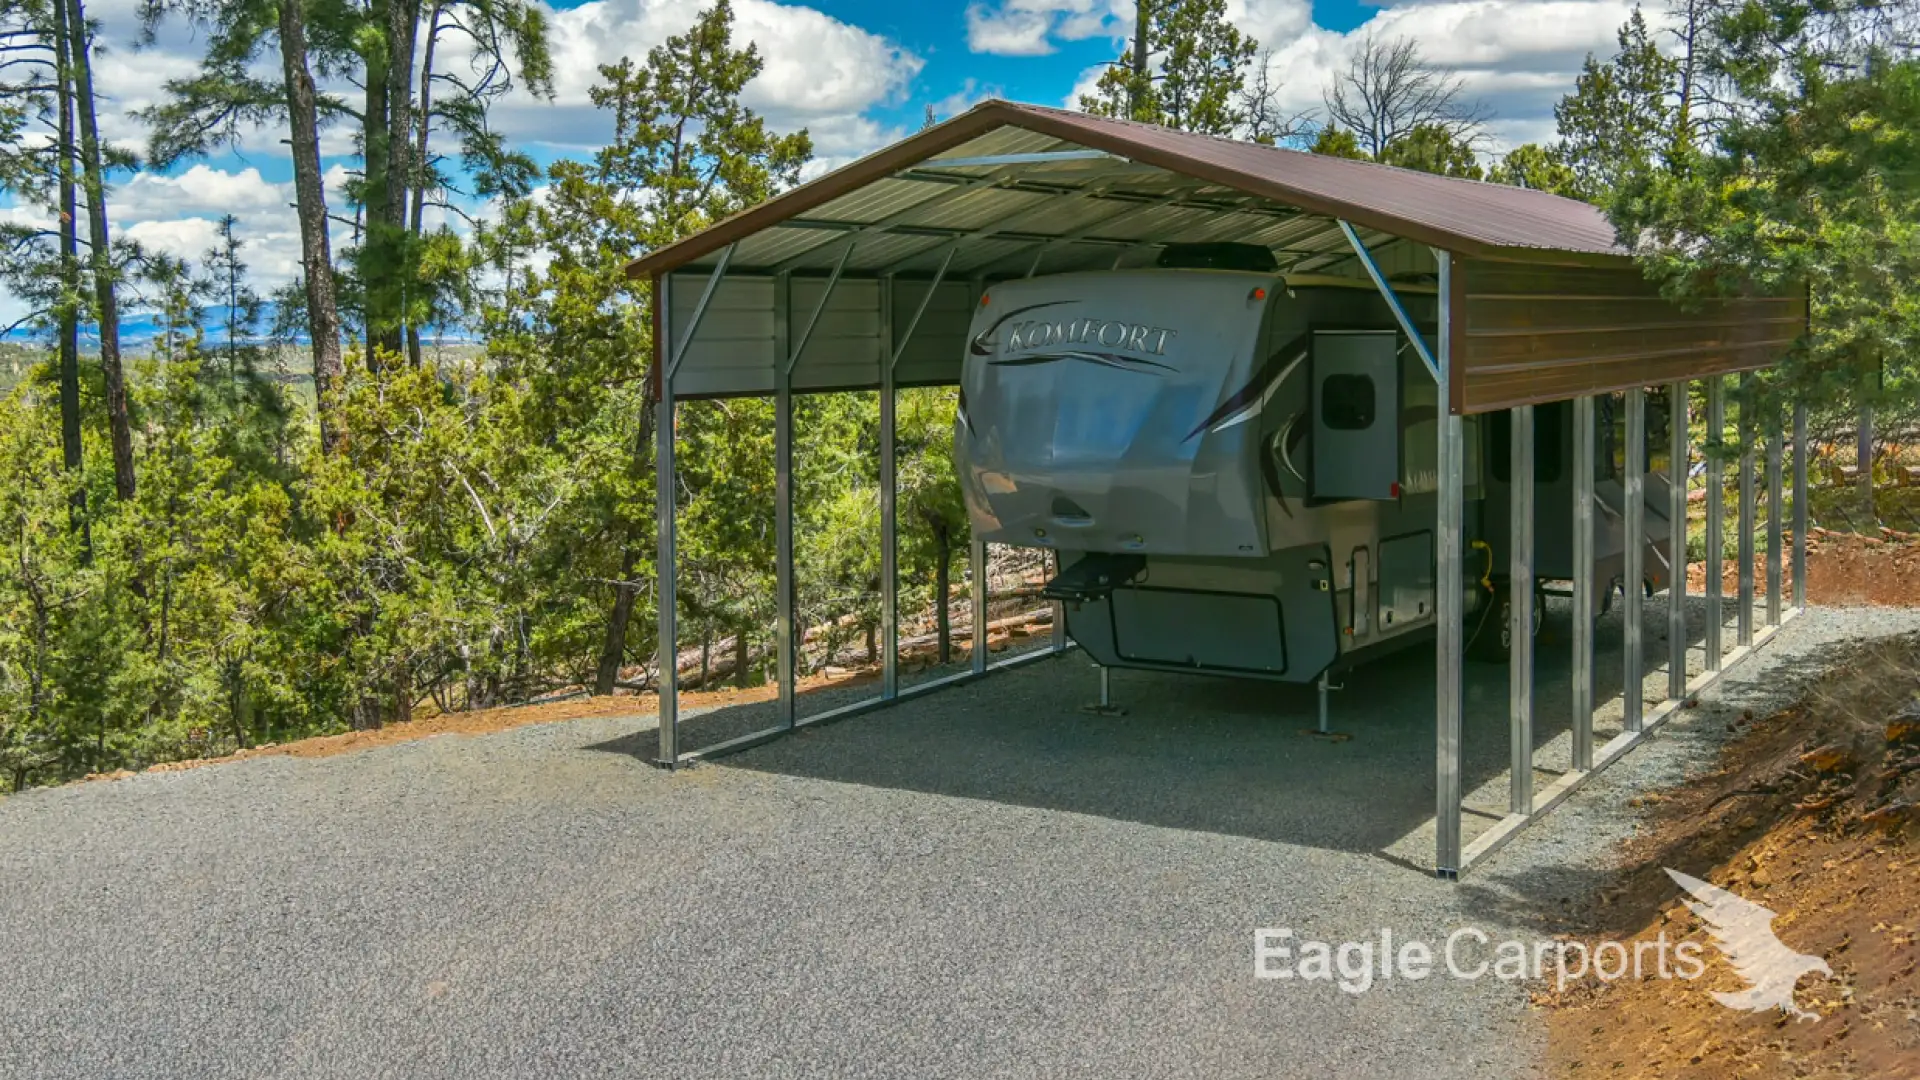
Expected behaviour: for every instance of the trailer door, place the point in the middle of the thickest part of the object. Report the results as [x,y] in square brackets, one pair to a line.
[1356,415]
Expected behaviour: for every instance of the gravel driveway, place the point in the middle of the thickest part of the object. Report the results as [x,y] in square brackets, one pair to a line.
[983,882]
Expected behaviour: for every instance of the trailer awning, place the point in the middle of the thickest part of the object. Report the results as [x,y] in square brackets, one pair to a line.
[1548,305]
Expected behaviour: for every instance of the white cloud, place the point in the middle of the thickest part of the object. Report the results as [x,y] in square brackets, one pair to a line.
[1085,86]
[820,73]
[1519,57]
[1030,27]
[971,93]
[200,190]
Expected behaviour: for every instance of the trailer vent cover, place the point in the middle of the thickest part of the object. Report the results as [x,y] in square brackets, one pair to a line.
[1217,257]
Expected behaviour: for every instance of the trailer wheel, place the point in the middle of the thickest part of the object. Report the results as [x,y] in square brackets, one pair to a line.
[1493,640]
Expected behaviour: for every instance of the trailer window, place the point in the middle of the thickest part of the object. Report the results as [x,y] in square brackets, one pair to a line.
[1347,402]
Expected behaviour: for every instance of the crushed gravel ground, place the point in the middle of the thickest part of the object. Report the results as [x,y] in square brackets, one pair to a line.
[983,882]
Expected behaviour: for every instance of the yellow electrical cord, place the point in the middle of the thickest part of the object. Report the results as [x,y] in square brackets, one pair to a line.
[1486,576]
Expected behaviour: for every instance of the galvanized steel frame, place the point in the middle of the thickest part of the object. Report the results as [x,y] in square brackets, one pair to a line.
[1634,574]
[1449,650]
[1581,753]
[1520,614]
[1716,544]
[788,350]
[1678,454]
[1451,856]
[1586,759]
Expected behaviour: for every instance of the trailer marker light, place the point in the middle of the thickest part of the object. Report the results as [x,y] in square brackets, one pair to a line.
[1259,293]
[983,299]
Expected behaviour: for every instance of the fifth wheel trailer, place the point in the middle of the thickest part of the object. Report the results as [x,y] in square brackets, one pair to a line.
[1236,468]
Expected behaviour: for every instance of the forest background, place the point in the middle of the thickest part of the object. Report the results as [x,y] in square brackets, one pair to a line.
[420,475]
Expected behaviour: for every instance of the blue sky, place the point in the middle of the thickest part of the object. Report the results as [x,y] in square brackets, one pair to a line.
[857,74]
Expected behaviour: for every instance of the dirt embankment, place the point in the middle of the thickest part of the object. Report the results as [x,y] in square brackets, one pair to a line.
[1841,569]
[1812,813]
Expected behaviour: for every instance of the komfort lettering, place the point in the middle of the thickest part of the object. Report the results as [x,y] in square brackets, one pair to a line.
[1134,337]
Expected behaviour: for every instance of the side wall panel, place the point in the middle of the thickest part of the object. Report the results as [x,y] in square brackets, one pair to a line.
[734,351]
[1535,333]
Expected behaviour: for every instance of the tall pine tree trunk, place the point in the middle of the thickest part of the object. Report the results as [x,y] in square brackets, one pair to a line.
[69,346]
[310,201]
[613,649]
[1137,86]
[423,129]
[403,21]
[119,425]
[374,243]
[1863,458]
[386,136]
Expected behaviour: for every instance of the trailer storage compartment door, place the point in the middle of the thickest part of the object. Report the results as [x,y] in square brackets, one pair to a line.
[1356,415]
[1213,631]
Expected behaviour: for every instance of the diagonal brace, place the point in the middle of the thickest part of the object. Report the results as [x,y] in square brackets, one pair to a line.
[1393,301]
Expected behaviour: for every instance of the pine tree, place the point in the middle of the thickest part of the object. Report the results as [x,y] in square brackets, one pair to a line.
[93,171]
[1806,184]
[1540,168]
[1185,67]
[1623,117]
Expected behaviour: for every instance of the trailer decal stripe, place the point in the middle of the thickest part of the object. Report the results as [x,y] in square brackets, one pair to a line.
[1260,388]
[1112,360]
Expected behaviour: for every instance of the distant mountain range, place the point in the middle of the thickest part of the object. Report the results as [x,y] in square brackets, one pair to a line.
[140,329]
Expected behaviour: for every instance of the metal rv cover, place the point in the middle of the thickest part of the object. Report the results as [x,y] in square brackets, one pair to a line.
[1547,304]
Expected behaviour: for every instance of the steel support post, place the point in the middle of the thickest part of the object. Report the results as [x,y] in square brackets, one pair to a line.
[1677,462]
[1633,578]
[1743,604]
[1450,636]
[787,352]
[1059,641]
[786,640]
[890,353]
[1776,520]
[665,562]
[889,524]
[1799,505]
[1716,562]
[977,567]
[667,596]
[1520,618]
[1583,583]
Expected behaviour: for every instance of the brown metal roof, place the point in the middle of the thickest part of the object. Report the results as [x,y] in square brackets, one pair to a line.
[1464,216]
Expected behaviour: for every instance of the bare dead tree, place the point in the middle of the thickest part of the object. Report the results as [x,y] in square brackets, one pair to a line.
[1389,89]
[1267,121]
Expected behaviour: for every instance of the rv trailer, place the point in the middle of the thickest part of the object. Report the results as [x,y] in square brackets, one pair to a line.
[1236,468]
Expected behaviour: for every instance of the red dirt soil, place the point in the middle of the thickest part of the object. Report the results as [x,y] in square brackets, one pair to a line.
[1842,569]
[1811,812]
